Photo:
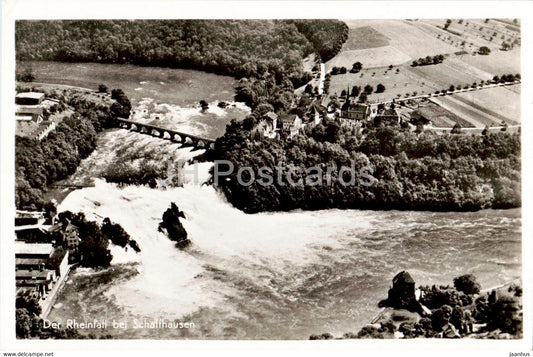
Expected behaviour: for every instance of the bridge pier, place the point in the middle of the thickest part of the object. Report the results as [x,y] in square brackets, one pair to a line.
[166,134]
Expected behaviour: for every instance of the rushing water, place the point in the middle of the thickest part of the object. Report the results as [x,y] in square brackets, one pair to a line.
[263,276]
[269,275]
[166,97]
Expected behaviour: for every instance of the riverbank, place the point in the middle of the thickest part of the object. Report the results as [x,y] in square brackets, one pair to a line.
[302,270]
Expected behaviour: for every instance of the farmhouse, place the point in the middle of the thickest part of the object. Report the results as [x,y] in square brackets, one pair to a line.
[389,116]
[355,111]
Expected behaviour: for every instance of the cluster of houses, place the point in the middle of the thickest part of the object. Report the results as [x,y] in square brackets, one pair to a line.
[272,124]
[351,112]
[42,256]
[30,121]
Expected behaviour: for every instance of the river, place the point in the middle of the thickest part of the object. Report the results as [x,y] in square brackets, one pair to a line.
[283,275]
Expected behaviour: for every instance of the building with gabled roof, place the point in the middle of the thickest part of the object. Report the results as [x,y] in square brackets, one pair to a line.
[355,111]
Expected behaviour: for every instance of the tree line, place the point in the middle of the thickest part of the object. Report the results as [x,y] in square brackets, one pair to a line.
[415,171]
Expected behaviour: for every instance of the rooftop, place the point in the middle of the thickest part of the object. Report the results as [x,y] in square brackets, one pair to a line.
[403,278]
[33,248]
[29,261]
[37,274]
[271,115]
[30,95]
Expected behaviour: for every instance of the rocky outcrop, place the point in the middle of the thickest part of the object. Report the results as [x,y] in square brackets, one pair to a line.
[175,230]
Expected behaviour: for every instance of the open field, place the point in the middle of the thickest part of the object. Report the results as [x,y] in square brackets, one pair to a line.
[395,83]
[497,62]
[476,115]
[441,117]
[370,58]
[443,75]
[499,102]
[364,37]
[407,40]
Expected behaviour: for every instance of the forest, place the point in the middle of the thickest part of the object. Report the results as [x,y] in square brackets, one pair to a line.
[241,48]
[39,164]
[410,171]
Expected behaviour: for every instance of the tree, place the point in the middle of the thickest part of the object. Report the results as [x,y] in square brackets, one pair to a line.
[355,91]
[467,284]
[484,50]
[368,89]
[356,67]
[27,75]
[23,323]
[380,88]
[102,88]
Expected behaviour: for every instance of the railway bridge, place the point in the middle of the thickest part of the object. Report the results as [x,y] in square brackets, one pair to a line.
[197,142]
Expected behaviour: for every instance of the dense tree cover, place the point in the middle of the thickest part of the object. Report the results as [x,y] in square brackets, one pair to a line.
[327,36]
[41,163]
[242,48]
[254,92]
[175,230]
[117,235]
[467,284]
[423,171]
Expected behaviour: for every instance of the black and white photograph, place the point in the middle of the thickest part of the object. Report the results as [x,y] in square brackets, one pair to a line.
[293,178]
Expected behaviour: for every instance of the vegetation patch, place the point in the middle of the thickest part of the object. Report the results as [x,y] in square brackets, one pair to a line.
[364,37]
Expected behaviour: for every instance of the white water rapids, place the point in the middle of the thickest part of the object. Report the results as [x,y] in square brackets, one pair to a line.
[268,275]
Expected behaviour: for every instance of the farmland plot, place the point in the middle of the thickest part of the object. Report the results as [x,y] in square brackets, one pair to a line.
[395,83]
[444,75]
[364,37]
[409,39]
[500,102]
[370,58]
[497,62]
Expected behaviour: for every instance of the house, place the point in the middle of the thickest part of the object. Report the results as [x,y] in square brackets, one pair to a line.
[29,98]
[71,237]
[41,280]
[37,267]
[33,250]
[270,121]
[316,110]
[23,218]
[402,295]
[30,121]
[28,106]
[355,111]
[67,233]
[290,123]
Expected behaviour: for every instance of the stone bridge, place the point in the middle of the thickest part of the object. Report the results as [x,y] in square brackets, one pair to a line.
[168,134]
